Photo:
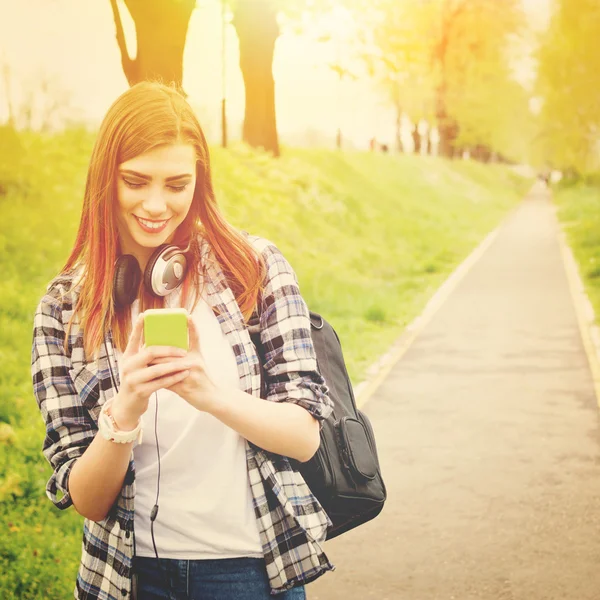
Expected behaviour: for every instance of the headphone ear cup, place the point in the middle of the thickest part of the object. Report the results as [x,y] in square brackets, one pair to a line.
[150,267]
[126,281]
[165,271]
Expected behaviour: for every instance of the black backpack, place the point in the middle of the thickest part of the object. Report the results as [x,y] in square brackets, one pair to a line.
[344,474]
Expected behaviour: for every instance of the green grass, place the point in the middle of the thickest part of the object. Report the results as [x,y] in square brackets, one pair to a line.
[579,212]
[370,236]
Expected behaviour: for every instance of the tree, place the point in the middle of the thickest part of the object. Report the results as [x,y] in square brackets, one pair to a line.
[447,60]
[568,84]
[397,54]
[257,26]
[255,22]
[161,30]
[472,70]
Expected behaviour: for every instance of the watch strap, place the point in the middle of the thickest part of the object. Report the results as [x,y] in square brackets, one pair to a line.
[109,430]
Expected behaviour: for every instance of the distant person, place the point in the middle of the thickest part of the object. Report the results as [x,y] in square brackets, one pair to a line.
[545,175]
[236,519]
[416,140]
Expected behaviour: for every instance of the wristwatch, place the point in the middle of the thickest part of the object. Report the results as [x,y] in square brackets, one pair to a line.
[110,431]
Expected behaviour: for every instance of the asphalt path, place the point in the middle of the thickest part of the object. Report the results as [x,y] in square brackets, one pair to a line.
[487,431]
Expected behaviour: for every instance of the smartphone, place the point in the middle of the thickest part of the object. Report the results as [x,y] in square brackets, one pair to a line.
[166,327]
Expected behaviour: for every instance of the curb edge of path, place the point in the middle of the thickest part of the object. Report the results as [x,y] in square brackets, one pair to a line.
[382,367]
[584,311]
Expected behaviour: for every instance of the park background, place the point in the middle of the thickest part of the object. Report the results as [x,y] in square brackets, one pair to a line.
[376,143]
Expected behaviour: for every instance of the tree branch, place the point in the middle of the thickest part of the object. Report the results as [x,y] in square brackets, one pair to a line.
[126,61]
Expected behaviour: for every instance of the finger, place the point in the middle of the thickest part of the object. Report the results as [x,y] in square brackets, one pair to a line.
[135,338]
[149,354]
[158,371]
[162,360]
[149,374]
[164,382]
[194,335]
[194,357]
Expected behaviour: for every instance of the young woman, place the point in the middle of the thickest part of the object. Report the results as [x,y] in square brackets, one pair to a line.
[236,519]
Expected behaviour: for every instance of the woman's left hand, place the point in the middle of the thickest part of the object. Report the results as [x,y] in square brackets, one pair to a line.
[198,389]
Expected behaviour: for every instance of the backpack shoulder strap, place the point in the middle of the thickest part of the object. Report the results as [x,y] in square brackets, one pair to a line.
[254,331]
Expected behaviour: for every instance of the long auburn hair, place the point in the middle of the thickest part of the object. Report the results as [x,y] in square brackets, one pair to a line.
[146,116]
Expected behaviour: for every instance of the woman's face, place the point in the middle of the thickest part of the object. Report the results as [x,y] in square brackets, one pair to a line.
[155,192]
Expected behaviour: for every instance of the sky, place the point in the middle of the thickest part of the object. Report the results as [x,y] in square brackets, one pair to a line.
[70,44]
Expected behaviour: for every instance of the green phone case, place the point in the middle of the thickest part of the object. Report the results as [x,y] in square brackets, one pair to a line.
[166,327]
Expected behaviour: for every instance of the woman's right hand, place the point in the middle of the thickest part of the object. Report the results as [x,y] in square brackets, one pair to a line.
[140,379]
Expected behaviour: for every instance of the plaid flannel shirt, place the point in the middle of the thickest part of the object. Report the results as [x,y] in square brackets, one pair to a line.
[70,393]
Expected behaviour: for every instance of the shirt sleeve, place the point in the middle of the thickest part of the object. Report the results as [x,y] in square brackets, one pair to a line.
[69,430]
[290,361]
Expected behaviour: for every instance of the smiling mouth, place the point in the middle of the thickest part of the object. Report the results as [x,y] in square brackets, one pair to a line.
[151,226]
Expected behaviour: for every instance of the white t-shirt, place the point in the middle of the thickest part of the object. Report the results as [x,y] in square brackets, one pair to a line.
[205,502]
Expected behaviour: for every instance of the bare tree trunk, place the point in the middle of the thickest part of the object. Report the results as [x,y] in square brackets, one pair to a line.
[399,147]
[6,76]
[256,24]
[447,126]
[482,153]
[161,29]
[448,130]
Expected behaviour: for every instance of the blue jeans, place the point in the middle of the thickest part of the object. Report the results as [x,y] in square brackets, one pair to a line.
[220,579]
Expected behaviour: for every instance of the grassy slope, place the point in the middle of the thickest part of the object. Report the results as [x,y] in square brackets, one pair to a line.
[579,211]
[371,237]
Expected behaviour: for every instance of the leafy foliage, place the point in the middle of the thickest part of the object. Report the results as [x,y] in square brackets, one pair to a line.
[568,83]
[448,61]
